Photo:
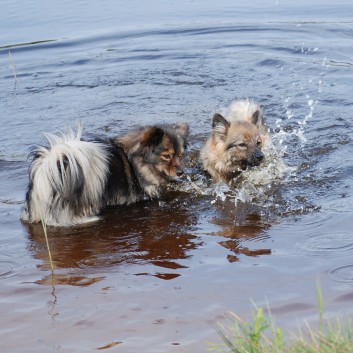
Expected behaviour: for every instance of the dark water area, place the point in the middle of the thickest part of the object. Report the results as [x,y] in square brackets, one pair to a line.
[158,276]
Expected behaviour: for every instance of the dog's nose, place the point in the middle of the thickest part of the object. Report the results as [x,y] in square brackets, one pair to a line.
[179,172]
[259,156]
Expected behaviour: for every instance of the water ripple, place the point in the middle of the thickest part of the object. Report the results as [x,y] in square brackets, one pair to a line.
[7,268]
[328,245]
[343,274]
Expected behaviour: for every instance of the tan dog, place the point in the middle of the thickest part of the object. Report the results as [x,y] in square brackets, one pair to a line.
[236,141]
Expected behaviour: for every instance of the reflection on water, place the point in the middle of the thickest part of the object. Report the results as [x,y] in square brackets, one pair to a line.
[68,279]
[237,223]
[159,233]
[138,234]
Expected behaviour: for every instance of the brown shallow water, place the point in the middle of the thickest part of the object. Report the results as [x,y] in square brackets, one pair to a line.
[158,276]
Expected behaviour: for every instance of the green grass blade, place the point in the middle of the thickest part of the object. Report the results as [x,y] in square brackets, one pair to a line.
[47,242]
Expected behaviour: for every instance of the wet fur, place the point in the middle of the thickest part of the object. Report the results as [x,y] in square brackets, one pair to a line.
[71,181]
[236,141]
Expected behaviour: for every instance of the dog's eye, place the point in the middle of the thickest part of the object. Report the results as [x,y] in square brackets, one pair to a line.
[259,143]
[167,157]
[242,145]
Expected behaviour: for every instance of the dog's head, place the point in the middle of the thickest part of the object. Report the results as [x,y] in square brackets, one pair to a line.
[238,145]
[159,150]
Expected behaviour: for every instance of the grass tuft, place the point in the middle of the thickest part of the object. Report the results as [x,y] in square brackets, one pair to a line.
[262,335]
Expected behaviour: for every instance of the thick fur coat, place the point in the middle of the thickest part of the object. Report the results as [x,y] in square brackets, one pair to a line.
[236,141]
[71,181]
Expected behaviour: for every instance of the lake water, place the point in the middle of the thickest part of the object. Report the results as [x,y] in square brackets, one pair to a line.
[158,276]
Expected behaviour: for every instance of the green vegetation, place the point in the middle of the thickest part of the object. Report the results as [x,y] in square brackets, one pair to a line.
[264,336]
[44,225]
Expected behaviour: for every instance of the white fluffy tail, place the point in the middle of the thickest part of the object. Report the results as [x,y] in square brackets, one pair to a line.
[67,180]
[244,110]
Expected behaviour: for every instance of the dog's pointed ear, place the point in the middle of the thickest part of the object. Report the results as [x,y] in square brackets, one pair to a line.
[152,136]
[256,118]
[263,138]
[182,129]
[220,125]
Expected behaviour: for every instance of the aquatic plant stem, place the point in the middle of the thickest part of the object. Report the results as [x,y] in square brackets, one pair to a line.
[44,225]
[320,303]
[12,66]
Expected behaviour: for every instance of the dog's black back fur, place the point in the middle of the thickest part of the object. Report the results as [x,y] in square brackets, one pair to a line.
[122,185]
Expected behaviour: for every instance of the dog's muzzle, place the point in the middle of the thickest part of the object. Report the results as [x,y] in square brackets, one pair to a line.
[254,161]
[258,157]
[179,172]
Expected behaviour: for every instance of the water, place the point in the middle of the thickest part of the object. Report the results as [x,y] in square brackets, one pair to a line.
[156,277]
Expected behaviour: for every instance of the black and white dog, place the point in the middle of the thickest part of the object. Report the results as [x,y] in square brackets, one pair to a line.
[71,181]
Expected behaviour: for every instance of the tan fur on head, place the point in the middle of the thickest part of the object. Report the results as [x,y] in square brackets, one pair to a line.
[182,129]
[170,158]
[236,141]
[156,152]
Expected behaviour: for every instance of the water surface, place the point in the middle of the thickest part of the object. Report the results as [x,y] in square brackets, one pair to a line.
[157,276]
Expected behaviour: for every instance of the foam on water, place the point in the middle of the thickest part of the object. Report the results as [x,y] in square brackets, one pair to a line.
[253,183]
[262,185]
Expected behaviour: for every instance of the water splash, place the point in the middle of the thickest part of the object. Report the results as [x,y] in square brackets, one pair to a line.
[302,123]
[270,187]
[298,131]
[254,184]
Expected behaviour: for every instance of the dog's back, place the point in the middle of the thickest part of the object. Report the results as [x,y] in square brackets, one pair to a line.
[66,179]
[71,181]
[122,185]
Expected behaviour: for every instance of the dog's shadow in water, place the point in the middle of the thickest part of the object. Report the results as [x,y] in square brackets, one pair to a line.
[243,221]
[159,233]
[239,224]
[154,232]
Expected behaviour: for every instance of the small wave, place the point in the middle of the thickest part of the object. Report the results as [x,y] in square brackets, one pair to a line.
[12,157]
[11,202]
[330,245]
[8,268]
[343,274]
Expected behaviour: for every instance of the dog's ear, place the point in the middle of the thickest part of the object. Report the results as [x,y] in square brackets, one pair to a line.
[256,118]
[263,138]
[152,136]
[182,129]
[220,126]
